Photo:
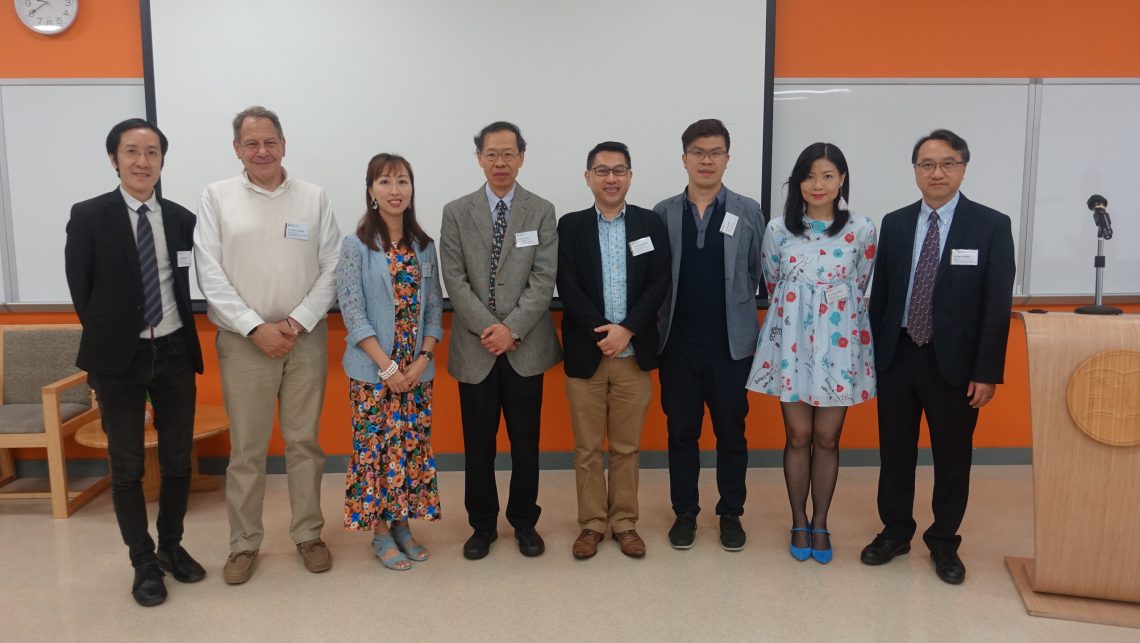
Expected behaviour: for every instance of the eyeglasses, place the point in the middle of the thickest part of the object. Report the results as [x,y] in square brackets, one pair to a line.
[602,170]
[701,155]
[947,166]
[491,156]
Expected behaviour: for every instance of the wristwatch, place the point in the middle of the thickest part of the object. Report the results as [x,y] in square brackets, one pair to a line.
[428,354]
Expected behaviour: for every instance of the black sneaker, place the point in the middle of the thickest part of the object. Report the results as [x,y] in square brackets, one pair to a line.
[181,566]
[732,536]
[148,589]
[683,532]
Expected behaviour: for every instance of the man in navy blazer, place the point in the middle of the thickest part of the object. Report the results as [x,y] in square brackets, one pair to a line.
[708,333]
[127,263]
[940,306]
[613,275]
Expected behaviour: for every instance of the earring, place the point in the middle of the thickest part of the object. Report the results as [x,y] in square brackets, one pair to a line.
[842,204]
[373,204]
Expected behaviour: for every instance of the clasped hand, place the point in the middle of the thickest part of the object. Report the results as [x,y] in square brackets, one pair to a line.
[276,339]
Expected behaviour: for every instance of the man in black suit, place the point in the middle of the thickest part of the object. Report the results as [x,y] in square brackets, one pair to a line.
[613,275]
[128,263]
[940,305]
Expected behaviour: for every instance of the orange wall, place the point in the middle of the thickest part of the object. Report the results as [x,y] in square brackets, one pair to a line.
[822,39]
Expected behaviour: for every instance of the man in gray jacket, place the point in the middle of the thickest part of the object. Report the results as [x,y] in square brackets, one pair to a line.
[708,334]
[499,253]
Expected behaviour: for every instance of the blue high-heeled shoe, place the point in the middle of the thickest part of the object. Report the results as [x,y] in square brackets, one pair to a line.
[822,556]
[800,553]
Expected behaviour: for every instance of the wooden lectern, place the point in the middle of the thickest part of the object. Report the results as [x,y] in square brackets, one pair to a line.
[1084,381]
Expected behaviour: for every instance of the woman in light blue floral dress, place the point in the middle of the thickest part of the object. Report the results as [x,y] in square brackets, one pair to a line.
[815,351]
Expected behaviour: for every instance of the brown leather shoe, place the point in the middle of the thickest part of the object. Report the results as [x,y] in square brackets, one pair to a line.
[587,544]
[631,544]
[316,555]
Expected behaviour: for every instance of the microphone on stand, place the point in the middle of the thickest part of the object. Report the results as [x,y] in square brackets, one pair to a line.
[1097,204]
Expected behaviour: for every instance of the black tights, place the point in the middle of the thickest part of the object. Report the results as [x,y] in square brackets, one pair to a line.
[811,462]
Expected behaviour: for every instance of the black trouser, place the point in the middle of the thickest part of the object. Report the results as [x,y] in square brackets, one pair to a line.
[520,400]
[162,367]
[694,374]
[910,387]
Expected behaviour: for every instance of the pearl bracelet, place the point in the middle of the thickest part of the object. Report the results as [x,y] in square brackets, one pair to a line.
[385,373]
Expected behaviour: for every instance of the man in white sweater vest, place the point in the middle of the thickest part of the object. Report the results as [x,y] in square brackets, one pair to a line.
[266,249]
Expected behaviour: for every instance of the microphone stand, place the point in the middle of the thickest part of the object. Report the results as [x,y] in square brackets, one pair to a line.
[1098,307]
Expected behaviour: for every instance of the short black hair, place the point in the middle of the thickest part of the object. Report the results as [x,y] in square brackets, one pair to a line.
[609,146]
[956,143]
[702,128]
[116,134]
[500,126]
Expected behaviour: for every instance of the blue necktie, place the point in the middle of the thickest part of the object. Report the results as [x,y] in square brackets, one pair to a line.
[148,265]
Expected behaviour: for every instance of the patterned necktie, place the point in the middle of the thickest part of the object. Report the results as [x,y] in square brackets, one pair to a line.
[497,235]
[920,322]
[148,265]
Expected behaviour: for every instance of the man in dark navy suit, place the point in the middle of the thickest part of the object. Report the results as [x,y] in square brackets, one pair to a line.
[128,264]
[940,306]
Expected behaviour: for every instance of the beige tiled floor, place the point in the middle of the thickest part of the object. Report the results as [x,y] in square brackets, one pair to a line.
[68,580]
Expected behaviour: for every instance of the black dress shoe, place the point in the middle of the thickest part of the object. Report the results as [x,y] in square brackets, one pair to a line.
[530,543]
[948,566]
[479,544]
[181,566]
[683,532]
[882,550]
[732,536]
[148,588]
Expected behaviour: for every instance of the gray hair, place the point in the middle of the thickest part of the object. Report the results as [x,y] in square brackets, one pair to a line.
[256,111]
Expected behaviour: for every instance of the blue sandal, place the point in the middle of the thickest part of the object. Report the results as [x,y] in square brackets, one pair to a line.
[403,534]
[383,545]
[822,556]
[800,553]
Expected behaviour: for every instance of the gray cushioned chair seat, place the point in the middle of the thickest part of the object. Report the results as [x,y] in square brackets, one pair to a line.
[29,418]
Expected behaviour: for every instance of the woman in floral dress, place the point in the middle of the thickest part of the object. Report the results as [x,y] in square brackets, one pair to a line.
[391,301]
[814,351]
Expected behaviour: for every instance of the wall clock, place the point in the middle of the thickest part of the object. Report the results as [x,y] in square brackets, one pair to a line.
[48,17]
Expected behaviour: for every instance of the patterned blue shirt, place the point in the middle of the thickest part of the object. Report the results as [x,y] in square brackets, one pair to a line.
[611,238]
[945,216]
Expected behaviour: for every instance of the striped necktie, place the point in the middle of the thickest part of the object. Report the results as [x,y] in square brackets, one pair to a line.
[148,265]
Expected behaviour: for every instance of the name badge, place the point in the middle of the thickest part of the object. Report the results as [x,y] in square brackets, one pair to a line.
[297,231]
[526,239]
[835,293]
[729,225]
[641,246]
[962,257]
[184,258]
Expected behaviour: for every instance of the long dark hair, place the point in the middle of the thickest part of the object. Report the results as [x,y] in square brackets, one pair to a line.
[372,226]
[795,207]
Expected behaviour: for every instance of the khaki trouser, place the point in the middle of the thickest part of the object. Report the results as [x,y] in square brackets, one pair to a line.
[254,386]
[610,404]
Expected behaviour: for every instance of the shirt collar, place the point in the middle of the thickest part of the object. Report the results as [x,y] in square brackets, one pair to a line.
[945,213]
[281,189]
[602,219]
[493,199]
[720,197]
[133,203]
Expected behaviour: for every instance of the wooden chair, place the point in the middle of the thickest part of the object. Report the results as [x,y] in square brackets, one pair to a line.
[38,416]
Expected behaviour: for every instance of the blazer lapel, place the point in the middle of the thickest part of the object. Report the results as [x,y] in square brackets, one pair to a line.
[594,250]
[124,234]
[731,242]
[516,221]
[633,232]
[910,226]
[173,233]
[673,219]
[959,229]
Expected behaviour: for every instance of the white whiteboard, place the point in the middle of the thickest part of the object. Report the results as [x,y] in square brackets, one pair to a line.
[55,156]
[877,124]
[421,78]
[1090,140]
